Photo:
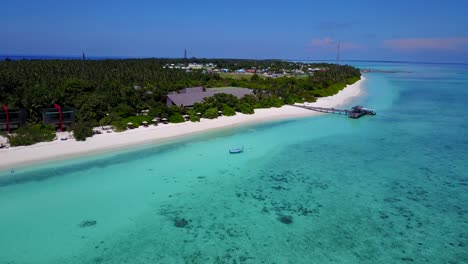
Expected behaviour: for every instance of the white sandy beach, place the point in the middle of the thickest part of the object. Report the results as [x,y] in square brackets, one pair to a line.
[26,155]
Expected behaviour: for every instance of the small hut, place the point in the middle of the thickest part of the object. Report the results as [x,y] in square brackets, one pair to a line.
[130,125]
[220,113]
[59,117]
[186,117]
[155,121]
[164,120]
[97,131]
[108,129]
[145,123]
[11,118]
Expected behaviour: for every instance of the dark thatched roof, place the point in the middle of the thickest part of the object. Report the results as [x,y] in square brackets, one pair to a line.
[192,97]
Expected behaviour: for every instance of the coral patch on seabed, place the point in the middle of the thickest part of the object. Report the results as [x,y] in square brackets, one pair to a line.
[285,219]
[181,223]
[88,223]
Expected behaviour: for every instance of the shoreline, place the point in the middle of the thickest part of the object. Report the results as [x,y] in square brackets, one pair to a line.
[103,143]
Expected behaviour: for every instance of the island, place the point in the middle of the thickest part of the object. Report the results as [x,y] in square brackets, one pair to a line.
[75,102]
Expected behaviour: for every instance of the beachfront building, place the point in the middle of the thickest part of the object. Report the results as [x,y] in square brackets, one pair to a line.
[195,66]
[189,96]
[16,118]
[51,116]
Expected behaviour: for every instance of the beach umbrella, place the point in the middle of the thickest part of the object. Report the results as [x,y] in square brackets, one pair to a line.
[155,119]
[164,119]
[129,123]
[198,113]
[144,122]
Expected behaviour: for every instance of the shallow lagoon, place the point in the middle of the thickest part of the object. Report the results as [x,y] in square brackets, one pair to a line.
[386,189]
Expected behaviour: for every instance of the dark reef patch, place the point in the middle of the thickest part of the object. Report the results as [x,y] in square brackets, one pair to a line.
[181,223]
[87,223]
[279,188]
[285,219]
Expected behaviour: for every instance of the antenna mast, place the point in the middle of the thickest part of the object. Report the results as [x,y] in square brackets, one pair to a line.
[84,66]
[338,53]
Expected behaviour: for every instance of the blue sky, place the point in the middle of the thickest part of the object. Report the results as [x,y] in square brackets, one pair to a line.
[411,30]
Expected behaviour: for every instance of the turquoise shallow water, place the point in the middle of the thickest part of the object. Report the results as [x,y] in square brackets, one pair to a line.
[386,189]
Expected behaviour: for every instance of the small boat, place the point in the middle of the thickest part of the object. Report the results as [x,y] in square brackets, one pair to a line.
[236,150]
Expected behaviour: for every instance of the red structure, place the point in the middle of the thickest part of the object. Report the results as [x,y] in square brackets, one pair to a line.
[5,108]
[56,106]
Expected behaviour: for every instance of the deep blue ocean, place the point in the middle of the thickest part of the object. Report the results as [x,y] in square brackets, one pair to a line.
[390,188]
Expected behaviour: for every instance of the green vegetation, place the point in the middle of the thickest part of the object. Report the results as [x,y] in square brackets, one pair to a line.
[353,79]
[31,134]
[135,120]
[193,115]
[211,113]
[245,108]
[114,92]
[82,130]
[176,118]
[194,118]
[237,76]
[228,111]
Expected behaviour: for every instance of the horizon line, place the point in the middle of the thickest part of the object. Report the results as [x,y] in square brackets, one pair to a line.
[25,56]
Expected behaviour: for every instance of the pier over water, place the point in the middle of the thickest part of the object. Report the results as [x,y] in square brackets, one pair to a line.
[355,112]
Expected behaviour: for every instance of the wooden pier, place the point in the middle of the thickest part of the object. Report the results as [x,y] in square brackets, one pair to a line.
[355,112]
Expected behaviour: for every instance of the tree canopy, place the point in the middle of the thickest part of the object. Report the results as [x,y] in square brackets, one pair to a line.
[111,91]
